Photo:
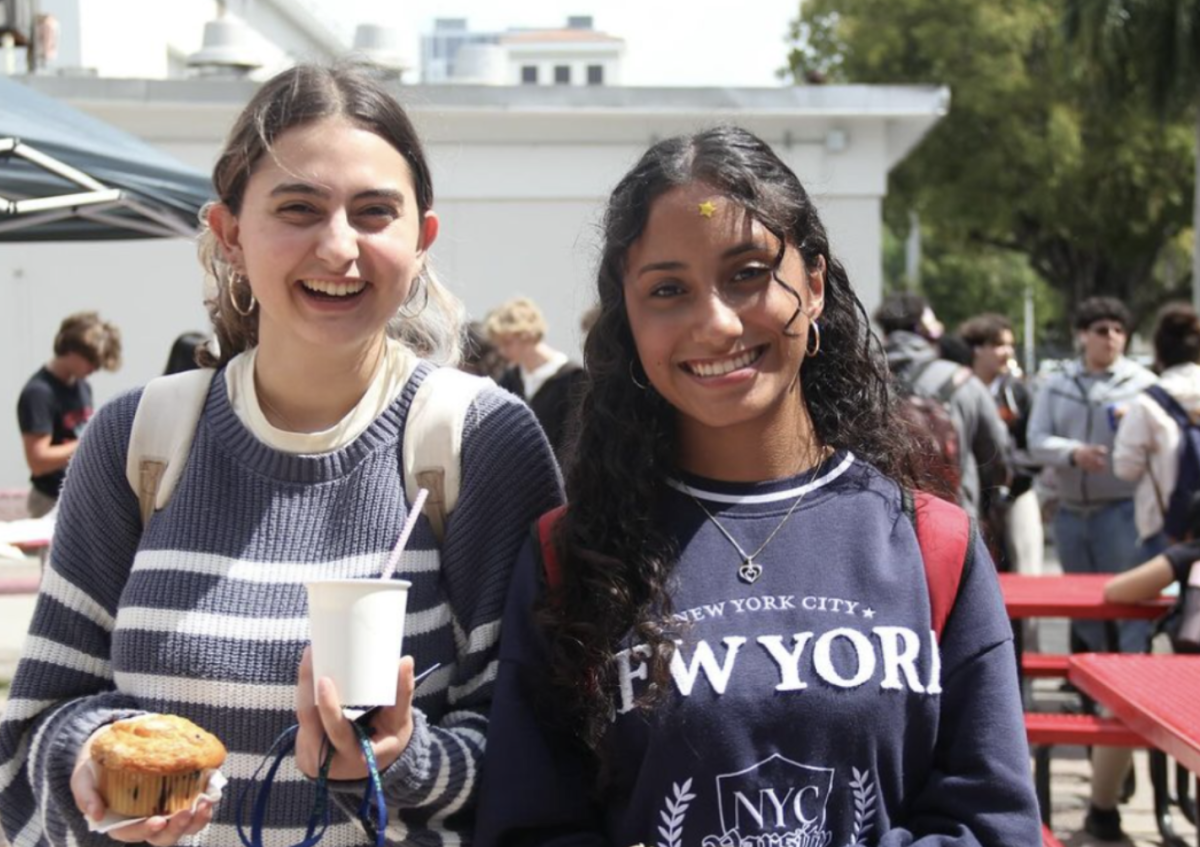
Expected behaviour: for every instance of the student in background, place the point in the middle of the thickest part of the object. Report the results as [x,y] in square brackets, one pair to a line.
[1148,443]
[56,403]
[543,377]
[1013,513]
[183,353]
[1072,428]
[910,330]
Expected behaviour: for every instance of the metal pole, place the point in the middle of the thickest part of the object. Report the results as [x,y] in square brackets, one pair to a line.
[912,252]
[1029,331]
[1196,217]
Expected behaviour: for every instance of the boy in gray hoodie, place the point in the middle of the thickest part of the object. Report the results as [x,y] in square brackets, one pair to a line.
[1072,427]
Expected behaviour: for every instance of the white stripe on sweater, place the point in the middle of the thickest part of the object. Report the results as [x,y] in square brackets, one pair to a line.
[211,564]
[468,784]
[484,637]
[17,710]
[10,769]
[228,695]
[459,692]
[255,629]
[42,649]
[348,834]
[21,709]
[74,598]
[29,836]
[442,779]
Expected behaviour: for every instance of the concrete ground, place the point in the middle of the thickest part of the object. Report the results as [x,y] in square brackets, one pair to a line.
[1069,791]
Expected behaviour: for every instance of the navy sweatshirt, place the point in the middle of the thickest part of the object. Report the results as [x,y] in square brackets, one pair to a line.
[813,708]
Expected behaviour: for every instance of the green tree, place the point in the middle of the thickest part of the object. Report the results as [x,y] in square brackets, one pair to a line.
[1029,159]
[1151,49]
[963,284]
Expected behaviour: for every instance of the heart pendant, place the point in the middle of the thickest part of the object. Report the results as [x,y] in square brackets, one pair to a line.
[749,572]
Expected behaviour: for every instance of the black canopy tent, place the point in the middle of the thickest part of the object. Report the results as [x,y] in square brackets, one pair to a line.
[66,176]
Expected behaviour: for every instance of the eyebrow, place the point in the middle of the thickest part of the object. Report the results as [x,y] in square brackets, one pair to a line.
[315,191]
[736,250]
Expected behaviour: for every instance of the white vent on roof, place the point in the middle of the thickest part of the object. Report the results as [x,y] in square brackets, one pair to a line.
[380,45]
[226,50]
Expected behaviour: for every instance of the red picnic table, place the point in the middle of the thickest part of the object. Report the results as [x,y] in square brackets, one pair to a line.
[1077,595]
[1157,696]
[1074,596]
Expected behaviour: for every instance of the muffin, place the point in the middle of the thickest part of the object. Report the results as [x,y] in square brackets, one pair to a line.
[154,764]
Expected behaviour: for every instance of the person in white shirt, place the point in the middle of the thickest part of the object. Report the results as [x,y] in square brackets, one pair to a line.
[1147,447]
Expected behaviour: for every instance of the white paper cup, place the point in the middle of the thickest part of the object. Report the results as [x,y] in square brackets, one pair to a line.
[357,631]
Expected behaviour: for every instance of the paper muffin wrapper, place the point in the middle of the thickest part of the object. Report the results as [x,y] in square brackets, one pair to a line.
[183,793]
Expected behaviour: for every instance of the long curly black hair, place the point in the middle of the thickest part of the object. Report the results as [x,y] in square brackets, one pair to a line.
[615,556]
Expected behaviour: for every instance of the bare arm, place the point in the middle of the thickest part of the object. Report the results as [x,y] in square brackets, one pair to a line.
[44,457]
[1145,582]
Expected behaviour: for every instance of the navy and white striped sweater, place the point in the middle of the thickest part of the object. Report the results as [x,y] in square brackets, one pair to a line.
[204,614]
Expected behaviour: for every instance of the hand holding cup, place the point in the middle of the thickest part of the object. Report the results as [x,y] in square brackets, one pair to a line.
[319,712]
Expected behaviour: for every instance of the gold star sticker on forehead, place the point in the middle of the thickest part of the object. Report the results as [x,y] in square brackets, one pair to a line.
[708,208]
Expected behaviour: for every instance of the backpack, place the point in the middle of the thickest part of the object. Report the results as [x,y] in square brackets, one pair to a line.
[1187,480]
[170,408]
[927,415]
[943,534]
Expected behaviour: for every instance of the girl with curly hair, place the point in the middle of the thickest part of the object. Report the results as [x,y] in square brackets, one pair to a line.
[737,646]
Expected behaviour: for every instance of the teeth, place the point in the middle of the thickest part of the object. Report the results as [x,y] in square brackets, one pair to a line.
[335,289]
[725,366]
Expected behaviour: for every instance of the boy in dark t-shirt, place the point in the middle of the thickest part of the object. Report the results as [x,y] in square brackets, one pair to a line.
[56,402]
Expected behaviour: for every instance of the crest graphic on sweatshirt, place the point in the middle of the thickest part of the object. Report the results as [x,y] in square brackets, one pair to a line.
[775,803]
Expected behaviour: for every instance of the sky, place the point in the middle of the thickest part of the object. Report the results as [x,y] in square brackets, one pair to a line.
[667,42]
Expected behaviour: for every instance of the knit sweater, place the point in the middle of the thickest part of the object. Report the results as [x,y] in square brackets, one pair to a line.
[811,708]
[203,614]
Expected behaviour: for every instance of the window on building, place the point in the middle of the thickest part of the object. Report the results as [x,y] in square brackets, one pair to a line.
[529,75]
[595,74]
[562,74]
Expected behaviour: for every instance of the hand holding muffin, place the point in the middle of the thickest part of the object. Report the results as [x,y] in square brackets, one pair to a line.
[321,716]
[154,767]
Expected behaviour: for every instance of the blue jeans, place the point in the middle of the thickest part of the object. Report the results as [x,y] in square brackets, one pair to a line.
[1104,540]
[1150,547]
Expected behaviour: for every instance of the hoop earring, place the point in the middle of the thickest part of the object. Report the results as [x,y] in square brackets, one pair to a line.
[412,295]
[233,282]
[633,377]
[814,332]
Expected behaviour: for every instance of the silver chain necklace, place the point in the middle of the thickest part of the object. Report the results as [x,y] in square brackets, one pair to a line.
[749,570]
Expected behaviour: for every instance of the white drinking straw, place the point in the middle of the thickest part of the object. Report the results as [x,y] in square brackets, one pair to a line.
[405,532]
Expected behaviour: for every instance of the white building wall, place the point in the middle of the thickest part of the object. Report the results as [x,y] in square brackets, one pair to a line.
[577,57]
[520,196]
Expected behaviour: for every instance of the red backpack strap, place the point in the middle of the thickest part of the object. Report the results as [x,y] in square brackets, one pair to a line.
[546,525]
[944,535]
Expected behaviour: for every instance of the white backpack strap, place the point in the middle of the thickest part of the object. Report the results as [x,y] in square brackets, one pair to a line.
[433,440]
[163,428]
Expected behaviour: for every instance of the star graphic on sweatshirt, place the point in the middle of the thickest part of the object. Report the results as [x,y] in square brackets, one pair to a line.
[868,613]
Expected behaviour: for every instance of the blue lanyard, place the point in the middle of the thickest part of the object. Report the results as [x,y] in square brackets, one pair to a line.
[377,828]
[318,819]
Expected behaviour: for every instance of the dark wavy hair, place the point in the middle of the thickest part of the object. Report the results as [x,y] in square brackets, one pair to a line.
[616,557]
[1177,335]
